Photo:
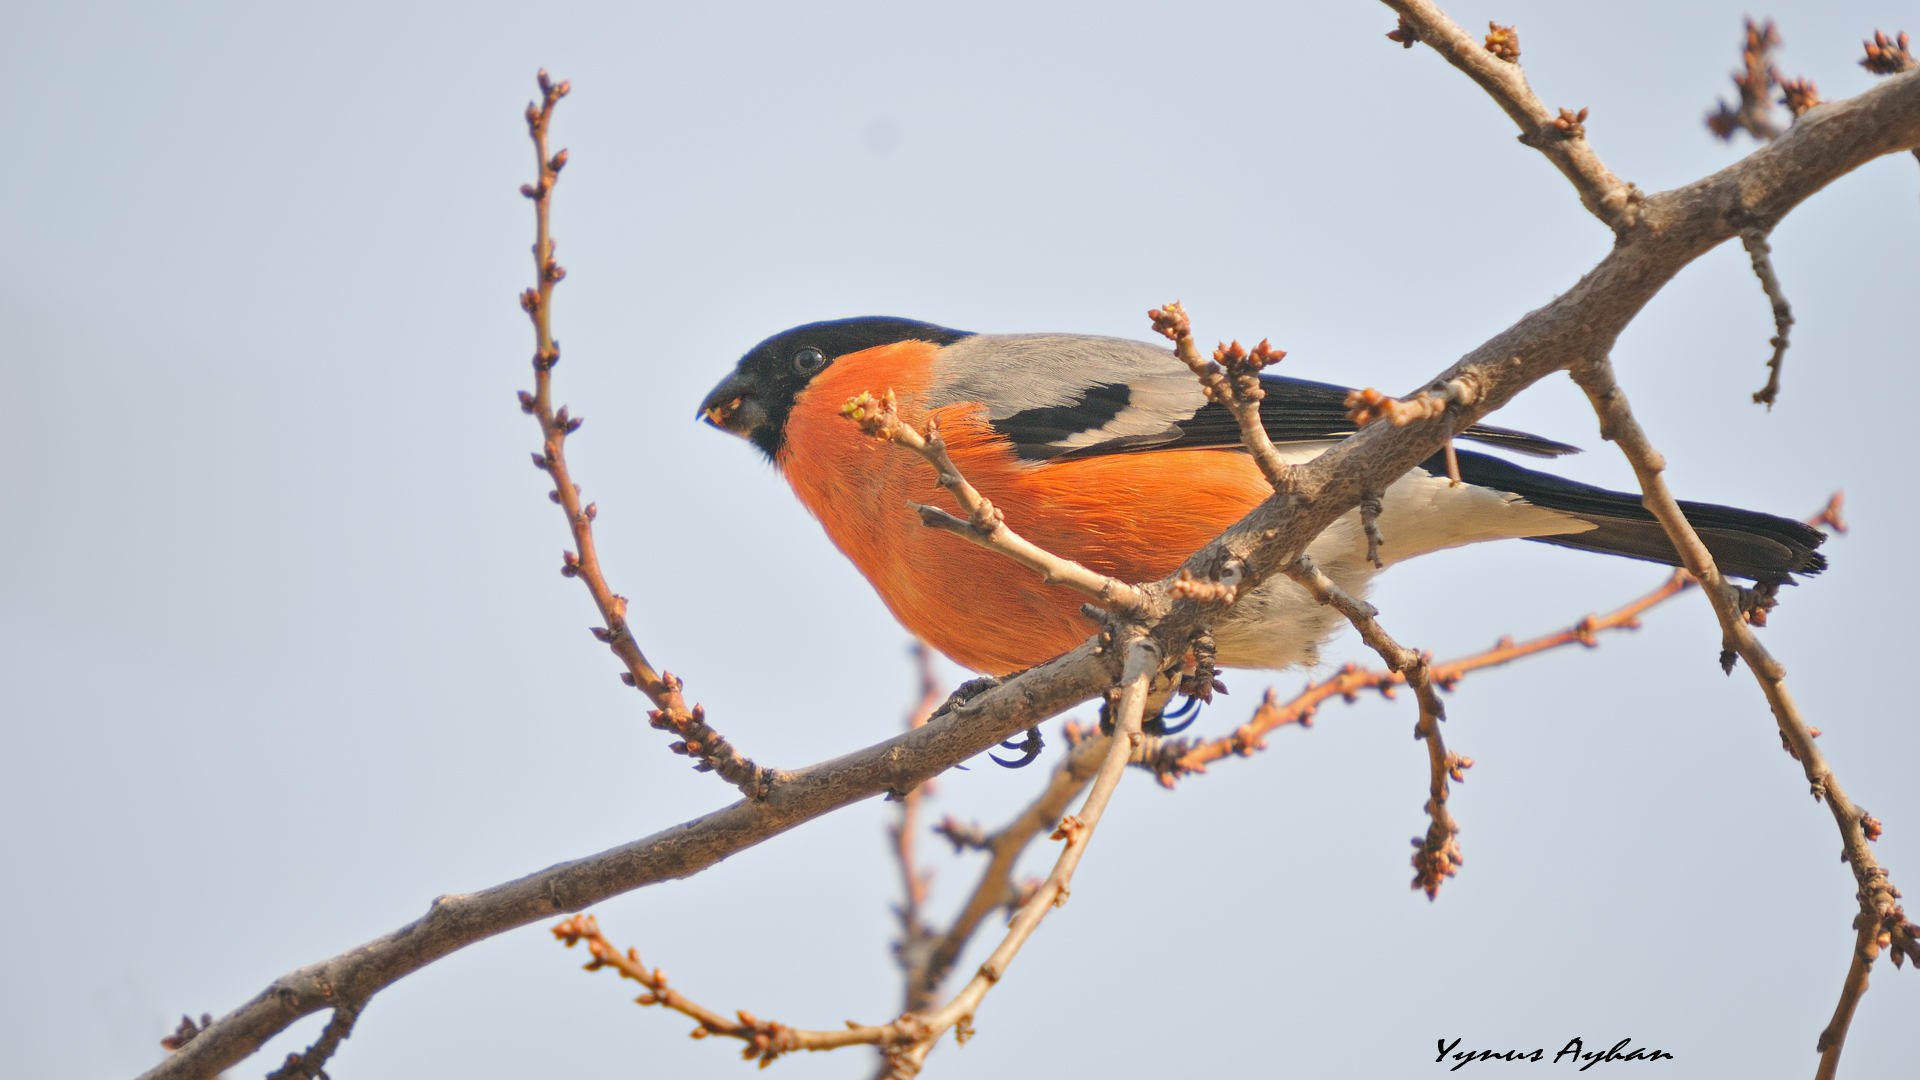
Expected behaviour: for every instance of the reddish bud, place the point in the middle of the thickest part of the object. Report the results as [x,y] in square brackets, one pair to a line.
[1503,42]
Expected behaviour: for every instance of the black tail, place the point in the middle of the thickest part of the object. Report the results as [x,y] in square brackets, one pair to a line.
[1744,543]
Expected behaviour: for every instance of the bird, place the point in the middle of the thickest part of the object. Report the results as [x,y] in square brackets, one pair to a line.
[1107,451]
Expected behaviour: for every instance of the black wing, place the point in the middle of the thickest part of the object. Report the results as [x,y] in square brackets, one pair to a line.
[1295,410]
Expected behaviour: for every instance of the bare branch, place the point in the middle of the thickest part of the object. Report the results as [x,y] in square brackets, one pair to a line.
[1143,658]
[1437,856]
[698,739]
[879,417]
[916,937]
[1494,65]
[1882,921]
[1232,380]
[765,1040]
[455,921]
[1762,255]
[995,889]
[906,1041]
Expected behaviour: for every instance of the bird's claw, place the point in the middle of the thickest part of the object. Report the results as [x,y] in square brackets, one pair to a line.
[1029,748]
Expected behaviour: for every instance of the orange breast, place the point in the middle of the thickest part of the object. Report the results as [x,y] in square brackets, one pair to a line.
[1135,517]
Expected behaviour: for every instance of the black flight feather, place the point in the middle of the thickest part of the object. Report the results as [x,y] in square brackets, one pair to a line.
[1744,543]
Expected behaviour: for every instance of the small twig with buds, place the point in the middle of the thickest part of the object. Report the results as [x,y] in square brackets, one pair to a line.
[1143,660]
[1879,905]
[906,1041]
[1493,62]
[1761,254]
[1755,83]
[710,751]
[995,888]
[1437,857]
[765,1040]
[917,938]
[879,417]
[1231,380]
[1172,759]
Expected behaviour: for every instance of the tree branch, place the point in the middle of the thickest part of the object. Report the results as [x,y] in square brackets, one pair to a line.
[1143,662]
[1882,922]
[1232,380]
[1609,198]
[916,937]
[698,739]
[906,1041]
[1761,254]
[996,889]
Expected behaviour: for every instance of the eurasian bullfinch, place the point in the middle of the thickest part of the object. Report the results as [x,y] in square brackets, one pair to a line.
[1105,450]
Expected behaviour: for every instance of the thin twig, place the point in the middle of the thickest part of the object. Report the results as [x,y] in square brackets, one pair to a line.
[917,938]
[1879,901]
[879,417]
[1231,380]
[1762,255]
[1172,759]
[698,740]
[1437,856]
[765,1040]
[995,888]
[1077,831]
[1755,83]
[1609,198]
[906,1041]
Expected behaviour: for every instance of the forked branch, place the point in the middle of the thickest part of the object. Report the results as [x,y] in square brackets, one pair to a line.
[1494,64]
[906,1041]
[1231,380]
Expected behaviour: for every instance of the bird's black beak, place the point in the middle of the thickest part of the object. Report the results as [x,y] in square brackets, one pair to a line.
[732,406]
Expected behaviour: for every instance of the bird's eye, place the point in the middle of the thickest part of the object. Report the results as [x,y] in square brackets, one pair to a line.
[808,361]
